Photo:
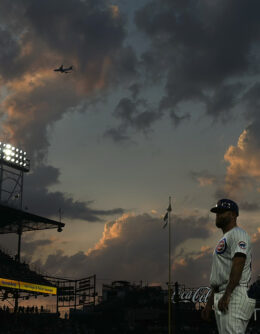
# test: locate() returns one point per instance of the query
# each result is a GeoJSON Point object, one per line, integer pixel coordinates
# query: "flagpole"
{"type": "Point", "coordinates": [170, 279]}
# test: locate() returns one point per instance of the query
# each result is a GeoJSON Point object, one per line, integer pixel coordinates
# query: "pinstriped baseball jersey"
{"type": "Point", "coordinates": [234, 241]}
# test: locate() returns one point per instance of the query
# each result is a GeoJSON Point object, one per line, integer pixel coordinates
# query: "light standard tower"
{"type": "Point", "coordinates": [13, 164]}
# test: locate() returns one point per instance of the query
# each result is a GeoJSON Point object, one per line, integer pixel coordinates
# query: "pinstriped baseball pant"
{"type": "Point", "coordinates": [240, 310]}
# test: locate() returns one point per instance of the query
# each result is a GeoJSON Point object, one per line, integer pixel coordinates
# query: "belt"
{"type": "Point", "coordinates": [219, 288]}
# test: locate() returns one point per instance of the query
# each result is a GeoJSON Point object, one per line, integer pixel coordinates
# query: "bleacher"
{"type": "Point", "coordinates": [28, 323]}
{"type": "Point", "coordinates": [14, 270]}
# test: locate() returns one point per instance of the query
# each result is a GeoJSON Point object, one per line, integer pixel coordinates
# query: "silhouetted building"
{"type": "Point", "coordinates": [133, 308]}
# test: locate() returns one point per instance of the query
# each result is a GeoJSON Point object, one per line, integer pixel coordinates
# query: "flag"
{"type": "Point", "coordinates": [165, 218]}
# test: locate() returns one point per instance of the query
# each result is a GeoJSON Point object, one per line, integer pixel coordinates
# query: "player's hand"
{"type": "Point", "coordinates": [224, 302]}
{"type": "Point", "coordinates": [206, 312]}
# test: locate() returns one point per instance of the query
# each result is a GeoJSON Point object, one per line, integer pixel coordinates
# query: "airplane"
{"type": "Point", "coordinates": [63, 70]}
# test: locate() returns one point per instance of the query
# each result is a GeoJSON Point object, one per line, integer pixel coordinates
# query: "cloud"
{"type": "Point", "coordinates": [190, 50]}
{"type": "Point", "coordinates": [198, 263]}
{"type": "Point", "coordinates": [224, 100]}
{"type": "Point", "coordinates": [9, 52]}
{"type": "Point", "coordinates": [132, 247]}
{"type": "Point", "coordinates": [251, 99]}
{"type": "Point", "coordinates": [117, 135]}
{"type": "Point", "coordinates": [38, 199]}
{"type": "Point", "coordinates": [249, 206]}
{"type": "Point", "coordinates": [29, 247]}
{"type": "Point", "coordinates": [135, 247]}
{"type": "Point", "coordinates": [87, 32]}
{"type": "Point", "coordinates": [35, 38]}
{"type": "Point", "coordinates": [243, 170]}
{"type": "Point", "coordinates": [135, 90]}
{"type": "Point", "coordinates": [204, 178]}
{"type": "Point", "coordinates": [256, 250]}
{"type": "Point", "coordinates": [32, 109]}
{"type": "Point", "coordinates": [135, 114]}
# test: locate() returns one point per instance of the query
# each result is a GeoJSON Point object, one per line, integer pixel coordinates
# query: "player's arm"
{"type": "Point", "coordinates": [208, 307]}
{"type": "Point", "coordinates": [238, 263]}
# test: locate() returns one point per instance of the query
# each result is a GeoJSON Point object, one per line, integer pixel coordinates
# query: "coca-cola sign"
{"type": "Point", "coordinates": [199, 295]}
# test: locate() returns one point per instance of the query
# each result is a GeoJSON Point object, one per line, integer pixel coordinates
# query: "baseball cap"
{"type": "Point", "coordinates": [225, 205]}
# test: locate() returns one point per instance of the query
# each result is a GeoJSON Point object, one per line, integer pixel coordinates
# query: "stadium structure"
{"type": "Point", "coordinates": [17, 280]}
{"type": "Point", "coordinates": [124, 308]}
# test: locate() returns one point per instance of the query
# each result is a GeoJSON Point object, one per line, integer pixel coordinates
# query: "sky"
{"type": "Point", "coordinates": [162, 101]}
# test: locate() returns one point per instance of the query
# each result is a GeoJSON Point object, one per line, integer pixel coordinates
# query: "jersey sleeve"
{"type": "Point", "coordinates": [240, 243]}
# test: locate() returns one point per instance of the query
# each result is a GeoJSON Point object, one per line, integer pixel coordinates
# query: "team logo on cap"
{"type": "Point", "coordinates": [242, 244]}
{"type": "Point", "coordinates": [221, 247]}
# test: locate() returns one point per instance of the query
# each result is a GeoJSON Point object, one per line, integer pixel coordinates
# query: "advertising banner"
{"type": "Point", "coordinates": [28, 286]}
{"type": "Point", "coordinates": [198, 295]}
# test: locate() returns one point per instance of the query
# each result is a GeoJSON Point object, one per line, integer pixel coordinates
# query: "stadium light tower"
{"type": "Point", "coordinates": [13, 164]}
{"type": "Point", "coordinates": [14, 157]}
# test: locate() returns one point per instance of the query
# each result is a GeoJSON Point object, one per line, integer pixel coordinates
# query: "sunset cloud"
{"type": "Point", "coordinates": [204, 178]}
{"type": "Point", "coordinates": [38, 199]}
{"type": "Point", "coordinates": [35, 98]}
{"type": "Point", "coordinates": [111, 231]}
{"type": "Point", "coordinates": [243, 170]}
{"type": "Point", "coordinates": [196, 265]}
{"type": "Point", "coordinates": [133, 247]}
{"type": "Point", "coordinates": [115, 11]}
{"type": "Point", "coordinates": [140, 69]}
{"type": "Point", "coordinates": [205, 248]}
{"type": "Point", "coordinates": [256, 250]}
{"type": "Point", "coordinates": [91, 39]}
{"type": "Point", "coordinates": [256, 236]}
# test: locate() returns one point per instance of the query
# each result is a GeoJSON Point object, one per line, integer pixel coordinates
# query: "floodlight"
{"type": "Point", "coordinates": [14, 157]}
{"type": "Point", "coordinates": [59, 229]}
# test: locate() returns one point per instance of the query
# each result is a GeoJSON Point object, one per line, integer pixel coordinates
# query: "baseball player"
{"type": "Point", "coordinates": [231, 273]}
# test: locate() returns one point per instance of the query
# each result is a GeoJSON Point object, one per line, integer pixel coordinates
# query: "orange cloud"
{"type": "Point", "coordinates": [40, 96]}
{"type": "Point", "coordinates": [115, 11]}
{"type": "Point", "coordinates": [243, 171]}
{"type": "Point", "coordinates": [34, 101]}
{"type": "Point", "coordinates": [205, 249]}
{"type": "Point", "coordinates": [182, 262]}
{"type": "Point", "coordinates": [205, 181]}
{"type": "Point", "coordinates": [256, 236]}
{"type": "Point", "coordinates": [179, 263]}
{"type": "Point", "coordinates": [30, 81]}
{"type": "Point", "coordinates": [26, 49]}
{"type": "Point", "coordinates": [111, 231]}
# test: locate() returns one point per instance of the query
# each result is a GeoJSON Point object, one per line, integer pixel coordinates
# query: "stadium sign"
{"type": "Point", "coordinates": [199, 295]}
{"type": "Point", "coordinates": [7, 283]}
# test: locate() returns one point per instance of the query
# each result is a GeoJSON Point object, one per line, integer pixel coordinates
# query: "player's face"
{"type": "Point", "coordinates": [223, 219]}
